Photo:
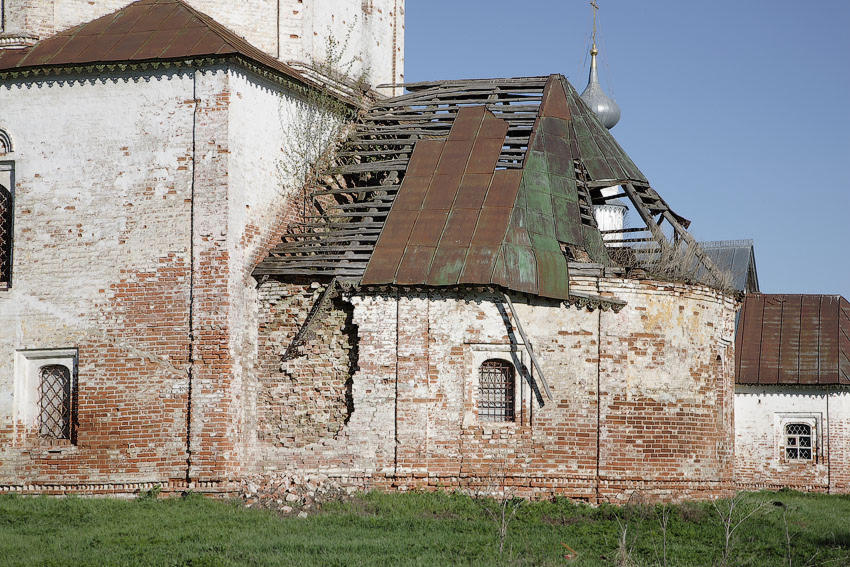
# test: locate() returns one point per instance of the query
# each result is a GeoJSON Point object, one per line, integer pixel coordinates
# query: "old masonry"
{"type": "Point", "coordinates": [197, 292]}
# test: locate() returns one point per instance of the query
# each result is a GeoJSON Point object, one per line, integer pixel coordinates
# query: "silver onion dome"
{"type": "Point", "coordinates": [600, 103]}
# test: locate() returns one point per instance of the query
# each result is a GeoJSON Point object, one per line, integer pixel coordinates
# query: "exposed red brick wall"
{"type": "Point", "coordinates": [307, 397]}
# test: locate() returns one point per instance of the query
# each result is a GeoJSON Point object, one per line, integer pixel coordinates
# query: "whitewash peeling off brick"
{"type": "Point", "coordinates": [664, 395]}
{"type": "Point", "coordinates": [371, 30]}
{"type": "Point", "coordinates": [261, 201]}
{"type": "Point", "coordinates": [761, 413]}
{"type": "Point", "coordinates": [139, 199]}
{"type": "Point", "coordinates": [101, 251]}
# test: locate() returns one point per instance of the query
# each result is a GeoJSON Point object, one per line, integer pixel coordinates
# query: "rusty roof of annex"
{"type": "Point", "coordinates": [144, 31]}
{"type": "Point", "coordinates": [793, 339]}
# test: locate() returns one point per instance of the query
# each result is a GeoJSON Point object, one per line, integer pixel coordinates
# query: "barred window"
{"type": "Point", "coordinates": [799, 444]}
{"type": "Point", "coordinates": [496, 390]}
{"type": "Point", "coordinates": [55, 402]}
{"type": "Point", "coordinates": [5, 234]}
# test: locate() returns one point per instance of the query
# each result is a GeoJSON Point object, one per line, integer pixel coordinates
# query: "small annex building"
{"type": "Point", "coordinates": [430, 304]}
{"type": "Point", "coordinates": [792, 401]}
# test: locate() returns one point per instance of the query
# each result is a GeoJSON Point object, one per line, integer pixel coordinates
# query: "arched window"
{"type": "Point", "coordinates": [54, 405]}
{"type": "Point", "coordinates": [799, 442]}
{"type": "Point", "coordinates": [5, 143]}
{"type": "Point", "coordinates": [6, 211]}
{"type": "Point", "coordinates": [496, 397]}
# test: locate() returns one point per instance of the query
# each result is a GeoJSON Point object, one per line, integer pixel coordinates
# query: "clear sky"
{"type": "Point", "coordinates": [738, 112]}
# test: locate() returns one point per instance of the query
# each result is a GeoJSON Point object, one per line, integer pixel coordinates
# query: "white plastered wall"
{"type": "Point", "coordinates": [372, 32]}
{"type": "Point", "coordinates": [761, 413]}
{"type": "Point", "coordinates": [101, 203]}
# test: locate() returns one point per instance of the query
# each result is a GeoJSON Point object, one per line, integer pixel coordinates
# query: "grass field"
{"type": "Point", "coordinates": [420, 529]}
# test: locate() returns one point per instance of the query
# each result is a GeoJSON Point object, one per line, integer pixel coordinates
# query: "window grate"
{"type": "Point", "coordinates": [798, 442]}
{"type": "Point", "coordinates": [496, 391]}
{"type": "Point", "coordinates": [5, 234]}
{"type": "Point", "coordinates": [55, 402]}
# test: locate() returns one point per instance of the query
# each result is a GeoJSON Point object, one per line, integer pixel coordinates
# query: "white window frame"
{"type": "Point", "coordinates": [28, 365]}
{"type": "Point", "coordinates": [813, 420]}
{"type": "Point", "coordinates": [797, 445]}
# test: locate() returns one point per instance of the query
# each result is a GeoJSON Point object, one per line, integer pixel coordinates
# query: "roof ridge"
{"type": "Point", "coordinates": [727, 243]}
{"type": "Point", "coordinates": [144, 31]}
{"type": "Point", "coordinates": [212, 24]}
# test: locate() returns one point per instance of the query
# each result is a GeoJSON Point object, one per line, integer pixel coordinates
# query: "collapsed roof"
{"type": "Point", "coordinates": [456, 182]}
{"type": "Point", "coordinates": [488, 181]}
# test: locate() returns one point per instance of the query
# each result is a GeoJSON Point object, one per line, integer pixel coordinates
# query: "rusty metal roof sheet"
{"type": "Point", "coordinates": [147, 30]}
{"type": "Point", "coordinates": [793, 339]}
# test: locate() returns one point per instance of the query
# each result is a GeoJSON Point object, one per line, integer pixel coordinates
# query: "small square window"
{"type": "Point", "coordinates": [799, 442]}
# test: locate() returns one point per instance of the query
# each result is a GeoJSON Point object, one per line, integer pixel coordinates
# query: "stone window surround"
{"type": "Point", "coordinates": [28, 364]}
{"type": "Point", "coordinates": [476, 354]}
{"type": "Point", "coordinates": [813, 420]}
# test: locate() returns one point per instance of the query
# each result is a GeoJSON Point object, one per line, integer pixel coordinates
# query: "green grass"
{"type": "Point", "coordinates": [410, 529]}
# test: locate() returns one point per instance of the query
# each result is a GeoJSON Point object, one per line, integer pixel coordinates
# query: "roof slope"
{"type": "Point", "coordinates": [458, 220]}
{"type": "Point", "coordinates": [419, 177]}
{"type": "Point", "coordinates": [737, 257]}
{"type": "Point", "coordinates": [793, 339]}
{"type": "Point", "coordinates": [147, 30]}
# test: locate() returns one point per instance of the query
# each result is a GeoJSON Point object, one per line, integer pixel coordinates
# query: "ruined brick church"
{"type": "Point", "coordinates": [431, 302]}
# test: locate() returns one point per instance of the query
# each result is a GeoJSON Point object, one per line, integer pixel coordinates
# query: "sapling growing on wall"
{"type": "Point", "coordinates": [315, 122]}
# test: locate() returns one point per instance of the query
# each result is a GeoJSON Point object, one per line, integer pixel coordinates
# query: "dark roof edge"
{"type": "Point", "coordinates": [579, 300]}
{"type": "Point", "coordinates": [295, 83]}
{"type": "Point", "coordinates": [727, 243]}
{"type": "Point", "coordinates": [780, 294]}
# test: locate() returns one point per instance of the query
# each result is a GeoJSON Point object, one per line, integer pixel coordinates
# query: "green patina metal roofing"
{"type": "Point", "coordinates": [594, 145]}
{"type": "Point", "coordinates": [459, 220]}
{"type": "Point", "coordinates": [470, 182]}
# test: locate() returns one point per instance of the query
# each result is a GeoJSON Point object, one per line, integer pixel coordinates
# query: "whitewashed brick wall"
{"type": "Point", "coordinates": [760, 415]}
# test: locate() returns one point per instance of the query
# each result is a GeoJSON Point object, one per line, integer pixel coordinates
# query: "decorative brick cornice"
{"type": "Point", "coordinates": [16, 40]}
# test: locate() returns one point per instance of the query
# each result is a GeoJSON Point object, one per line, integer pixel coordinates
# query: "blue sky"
{"type": "Point", "coordinates": [737, 112]}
